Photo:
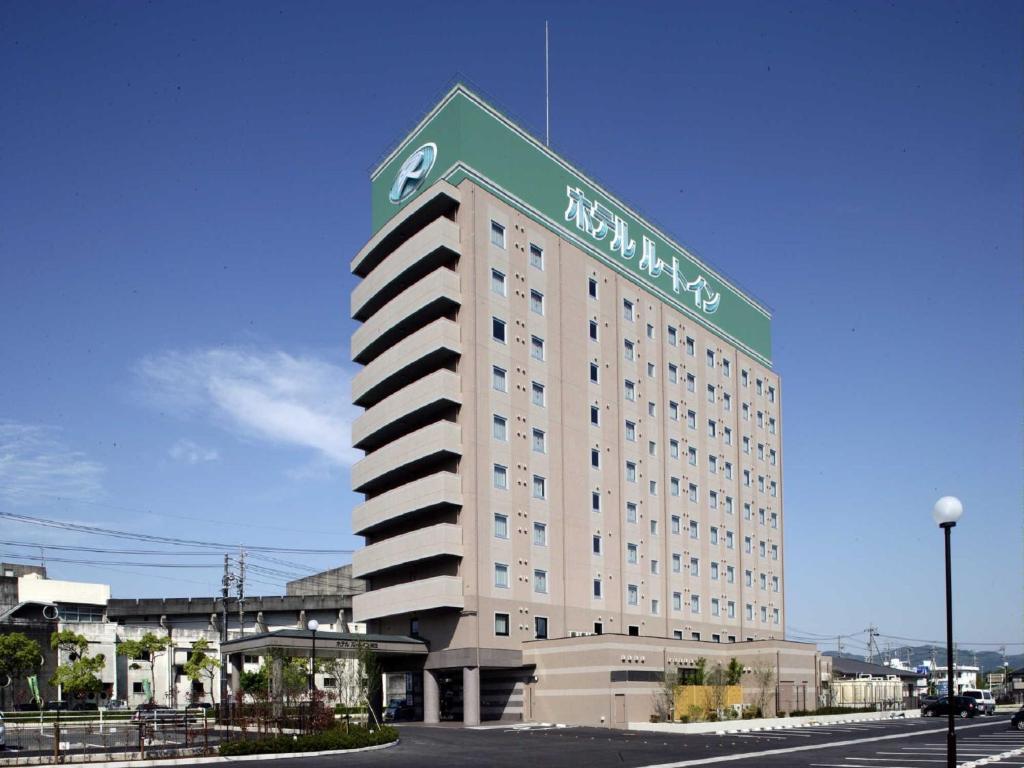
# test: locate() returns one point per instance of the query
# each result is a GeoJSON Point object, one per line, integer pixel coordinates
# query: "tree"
{"type": "Point", "coordinates": [716, 681]}
{"type": "Point", "coordinates": [665, 696]}
{"type": "Point", "coordinates": [146, 649]}
{"type": "Point", "coordinates": [734, 672]}
{"type": "Point", "coordinates": [368, 675]}
{"type": "Point", "coordinates": [79, 675]}
{"type": "Point", "coordinates": [764, 677]}
{"type": "Point", "coordinates": [201, 665]}
{"type": "Point", "coordinates": [20, 656]}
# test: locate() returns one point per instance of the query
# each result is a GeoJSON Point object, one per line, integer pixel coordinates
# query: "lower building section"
{"type": "Point", "coordinates": [603, 680]}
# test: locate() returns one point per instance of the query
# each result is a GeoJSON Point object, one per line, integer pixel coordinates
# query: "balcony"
{"type": "Point", "coordinates": [422, 447]}
{"type": "Point", "coordinates": [441, 540]}
{"type": "Point", "coordinates": [431, 492]}
{"type": "Point", "coordinates": [433, 297]}
{"type": "Point", "coordinates": [422, 351]}
{"type": "Point", "coordinates": [414, 596]}
{"type": "Point", "coordinates": [434, 246]}
{"type": "Point", "coordinates": [439, 200]}
{"type": "Point", "coordinates": [407, 409]}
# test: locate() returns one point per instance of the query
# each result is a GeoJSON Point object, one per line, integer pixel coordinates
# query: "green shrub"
{"type": "Point", "coordinates": [335, 738]}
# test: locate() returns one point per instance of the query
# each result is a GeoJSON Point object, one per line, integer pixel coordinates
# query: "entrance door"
{"type": "Point", "coordinates": [619, 716]}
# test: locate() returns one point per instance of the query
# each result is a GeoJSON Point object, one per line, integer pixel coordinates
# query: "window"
{"type": "Point", "coordinates": [691, 383]}
{"type": "Point", "coordinates": [540, 582]}
{"type": "Point", "coordinates": [747, 546]}
{"type": "Point", "coordinates": [500, 428]}
{"type": "Point", "coordinates": [632, 554]}
{"type": "Point", "coordinates": [760, 516]}
{"type": "Point", "coordinates": [771, 456]}
{"type": "Point", "coordinates": [731, 613]}
{"type": "Point", "coordinates": [673, 448]}
{"type": "Point", "coordinates": [726, 401]}
{"type": "Point", "coordinates": [595, 415]}
{"type": "Point", "coordinates": [771, 394]}
{"type": "Point", "coordinates": [501, 624]}
{"type": "Point", "coordinates": [595, 501]}
{"type": "Point", "coordinates": [594, 373]}
{"type": "Point", "coordinates": [728, 499]}
{"type": "Point", "coordinates": [500, 477]}
{"type": "Point", "coordinates": [677, 605]}
{"type": "Point", "coordinates": [730, 574]}
{"type": "Point", "coordinates": [713, 464]}
{"type": "Point", "coordinates": [593, 330]}
{"type": "Point", "coordinates": [694, 529]}
{"type": "Point", "coordinates": [746, 511]}
{"type": "Point", "coordinates": [539, 441]}
{"type": "Point", "coordinates": [711, 358]}
{"type": "Point", "coordinates": [715, 609]}
{"type": "Point", "coordinates": [537, 302]}
{"type": "Point", "coordinates": [672, 337]}
{"type": "Point", "coordinates": [498, 329]}
{"type": "Point", "coordinates": [728, 471]}
{"type": "Point", "coordinates": [650, 331]}
{"type": "Point", "coordinates": [771, 425]}
{"type": "Point", "coordinates": [673, 410]}
{"type": "Point", "coordinates": [539, 487]}
{"type": "Point", "coordinates": [775, 519]}
{"type": "Point", "coordinates": [536, 347]}
{"type": "Point", "coordinates": [675, 523]}
{"type": "Point", "coordinates": [597, 588]}
{"type": "Point", "coordinates": [714, 534]}
{"type": "Point", "coordinates": [596, 544]}
{"type": "Point", "coordinates": [627, 310]}
{"type": "Point", "coordinates": [714, 571]}
{"type": "Point", "coordinates": [691, 419]}
{"type": "Point", "coordinates": [677, 563]}
{"type": "Point", "coordinates": [651, 371]}
{"type": "Point", "coordinates": [744, 377]}
{"type": "Point", "coordinates": [673, 373]}
{"type": "Point", "coordinates": [656, 607]}
{"type": "Point", "coordinates": [775, 615]}
{"type": "Point", "coordinates": [651, 409]}
{"type": "Point", "coordinates": [713, 500]}
{"type": "Point", "coordinates": [500, 526]}
{"type": "Point", "coordinates": [673, 486]}
{"type": "Point", "coordinates": [690, 347]}
{"type": "Point", "coordinates": [760, 389]}
{"type": "Point", "coordinates": [746, 477]}
{"type": "Point", "coordinates": [760, 548]}
{"type": "Point", "coordinates": [726, 367]}
{"type": "Point", "coordinates": [630, 390]}
{"type": "Point", "coordinates": [498, 282]}
{"type": "Point", "coordinates": [631, 431]}
{"type": "Point", "coordinates": [654, 527]}
{"type": "Point", "coordinates": [773, 488]}
{"type": "Point", "coordinates": [536, 257]}
{"type": "Point", "coordinates": [760, 483]}
{"type": "Point", "coordinates": [630, 511]}
{"type": "Point", "coordinates": [630, 472]}
{"type": "Point", "coordinates": [750, 612]}
{"type": "Point", "coordinates": [727, 435]}
{"type": "Point", "coordinates": [775, 551]}
{"type": "Point", "coordinates": [764, 614]}
{"type": "Point", "coordinates": [760, 418]}
{"type": "Point", "coordinates": [592, 288]}
{"type": "Point", "coordinates": [540, 534]}
{"type": "Point", "coordinates": [694, 603]}
{"type": "Point", "coordinates": [729, 540]}
{"type": "Point", "coordinates": [654, 567]}
{"type": "Point", "coordinates": [746, 444]}
{"type": "Point", "coordinates": [711, 393]}
{"type": "Point", "coordinates": [501, 575]}
{"type": "Point", "coordinates": [537, 393]}
{"type": "Point", "coordinates": [693, 492]}
{"type": "Point", "coordinates": [775, 583]}
{"type": "Point", "coordinates": [691, 456]}
{"type": "Point", "coordinates": [712, 428]}
{"type": "Point", "coordinates": [632, 594]}
{"type": "Point", "coordinates": [595, 458]}
{"type": "Point", "coordinates": [652, 487]}
{"type": "Point", "coordinates": [540, 627]}
{"type": "Point", "coordinates": [497, 234]}
{"type": "Point", "coordinates": [748, 578]}
{"type": "Point", "coordinates": [498, 379]}
{"type": "Point", "coordinates": [746, 411]}
{"type": "Point", "coordinates": [628, 349]}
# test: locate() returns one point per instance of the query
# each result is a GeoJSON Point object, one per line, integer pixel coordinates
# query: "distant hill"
{"type": "Point", "coordinates": [989, 661]}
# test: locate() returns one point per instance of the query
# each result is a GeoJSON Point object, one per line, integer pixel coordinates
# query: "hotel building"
{"type": "Point", "coordinates": [572, 435]}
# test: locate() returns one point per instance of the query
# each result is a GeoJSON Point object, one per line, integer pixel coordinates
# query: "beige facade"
{"type": "Point", "coordinates": [552, 452]}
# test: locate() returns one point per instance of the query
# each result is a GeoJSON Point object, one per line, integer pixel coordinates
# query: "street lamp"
{"type": "Point", "coordinates": [313, 625]}
{"type": "Point", "coordinates": [946, 512]}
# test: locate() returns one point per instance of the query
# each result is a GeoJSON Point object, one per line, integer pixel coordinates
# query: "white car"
{"type": "Point", "coordinates": [986, 702]}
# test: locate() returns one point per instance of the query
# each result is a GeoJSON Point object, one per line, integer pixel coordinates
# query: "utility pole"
{"type": "Point", "coordinates": [241, 591]}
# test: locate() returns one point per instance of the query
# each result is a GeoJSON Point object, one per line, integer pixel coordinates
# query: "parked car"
{"type": "Point", "coordinates": [986, 702]}
{"type": "Point", "coordinates": [1017, 721]}
{"type": "Point", "coordinates": [118, 705]}
{"type": "Point", "coordinates": [397, 711]}
{"type": "Point", "coordinates": [27, 706]}
{"type": "Point", "coordinates": [156, 715]}
{"type": "Point", "coordinates": [57, 706]}
{"type": "Point", "coordinates": [84, 706]}
{"type": "Point", "coordinates": [962, 706]}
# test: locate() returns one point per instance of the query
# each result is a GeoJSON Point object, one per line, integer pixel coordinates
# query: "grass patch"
{"type": "Point", "coordinates": [333, 738]}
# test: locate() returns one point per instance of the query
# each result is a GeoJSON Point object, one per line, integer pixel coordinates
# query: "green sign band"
{"type": "Point", "coordinates": [465, 138]}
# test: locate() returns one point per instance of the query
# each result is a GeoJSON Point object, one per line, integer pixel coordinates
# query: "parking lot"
{"type": "Point", "coordinates": [911, 743]}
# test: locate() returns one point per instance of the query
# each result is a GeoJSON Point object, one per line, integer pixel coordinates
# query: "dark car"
{"type": "Point", "coordinates": [1017, 721]}
{"type": "Point", "coordinates": [28, 706]}
{"type": "Point", "coordinates": [57, 706]}
{"type": "Point", "coordinates": [962, 706]}
{"type": "Point", "coordinates": [84, 706]}
{"type": "Point", "coordinates": [397, 711]}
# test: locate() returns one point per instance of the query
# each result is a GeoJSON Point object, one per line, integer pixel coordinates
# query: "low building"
{"type": "Point", "coordinates": [857, 684]}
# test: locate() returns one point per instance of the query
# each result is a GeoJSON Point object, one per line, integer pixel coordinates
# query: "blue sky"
{"type": "Point", "coordinates": [184, 184]}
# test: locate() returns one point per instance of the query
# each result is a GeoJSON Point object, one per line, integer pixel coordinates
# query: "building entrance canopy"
{"type": "Point", "coordinates": [330, 645]}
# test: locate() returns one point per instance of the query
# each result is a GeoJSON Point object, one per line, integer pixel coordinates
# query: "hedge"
{"type": "Point", "coordinates": [335, 738]}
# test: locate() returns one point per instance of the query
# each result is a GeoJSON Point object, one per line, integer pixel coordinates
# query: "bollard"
{"type": "Point", "coordinates": [206, 735]}
{"type": "Point", "coordinates": [142, 739]}
{"type": "Point", "coordinates": [56, 742]}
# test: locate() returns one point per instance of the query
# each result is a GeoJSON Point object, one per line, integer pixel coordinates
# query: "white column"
{"type": "Point", "coordinates": [431, 698]}
{"type": "Point", "coordinates": [471, 695]}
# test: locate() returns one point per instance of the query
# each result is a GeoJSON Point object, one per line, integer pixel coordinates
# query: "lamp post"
{"type": "Point", "coordinates": [313, 625]}
{"type": "Point", "coordinates": [946, 512]}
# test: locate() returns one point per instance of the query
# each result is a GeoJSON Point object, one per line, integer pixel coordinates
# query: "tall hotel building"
{"type": "Point", "coordinates": [573, 439]}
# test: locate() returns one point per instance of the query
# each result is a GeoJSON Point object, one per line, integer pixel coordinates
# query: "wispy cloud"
{"type": "Point", "coordinates": [189, 452]}
{"type": "Point", "coordinates": [35, 462]}
{"type": "Point", "coordinates": [270, 395]}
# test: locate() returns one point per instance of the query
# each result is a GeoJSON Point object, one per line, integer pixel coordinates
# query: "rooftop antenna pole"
{"type": "Point", "coordinates": [547, 99]}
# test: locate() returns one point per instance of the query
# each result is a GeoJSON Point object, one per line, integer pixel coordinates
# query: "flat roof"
{"type": "Point", "coordinates": [328, 644]}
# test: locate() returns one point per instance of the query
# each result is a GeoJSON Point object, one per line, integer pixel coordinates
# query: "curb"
{"type": "Point", "coordinates": [212, 759]}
